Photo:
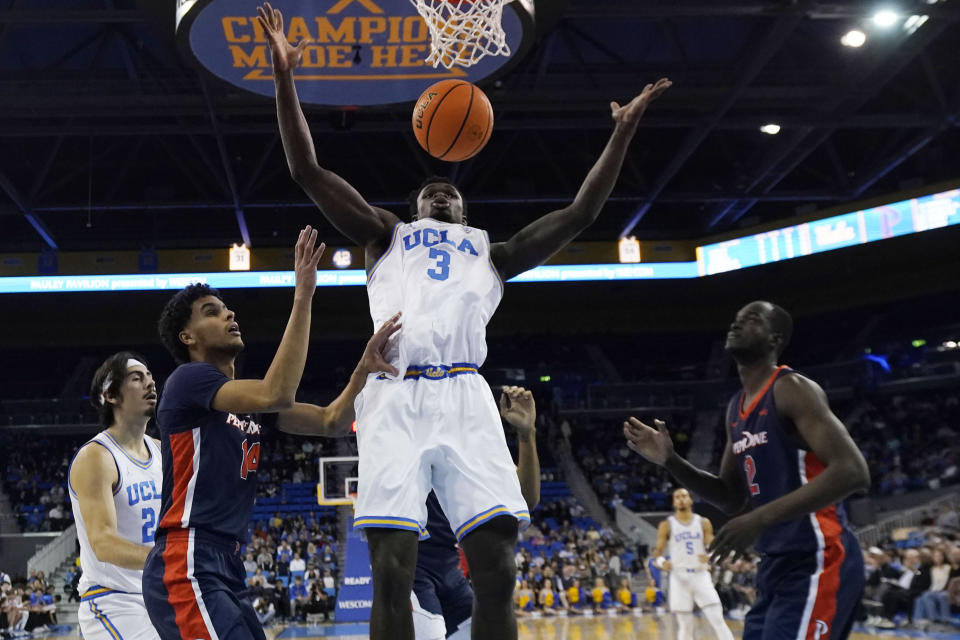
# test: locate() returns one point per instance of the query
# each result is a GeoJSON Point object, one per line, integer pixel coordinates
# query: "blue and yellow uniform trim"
{"type": "Point", "coordinates": [390, 522]}
{"type": "Point", "coordinates": [95, 591]}
{"type": "Point", "coordinates": [437, 371]}
{"type": "Point", "coordinates": [89, 596]}
{"type": "Point", "coordinates": [489, 514]}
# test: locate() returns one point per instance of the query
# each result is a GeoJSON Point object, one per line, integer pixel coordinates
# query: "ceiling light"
{"type": "Point", "coordinates": [885, 18]}
{"type": "Point", "coordinates": [854, 38]}
{"type": "Point", "coordinates": [770, 129]}
{"type": "Point", "coordinates": [913, 23]}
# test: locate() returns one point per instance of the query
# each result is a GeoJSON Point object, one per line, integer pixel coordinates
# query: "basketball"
{"type": "Point", "coordinates": [452, 120]}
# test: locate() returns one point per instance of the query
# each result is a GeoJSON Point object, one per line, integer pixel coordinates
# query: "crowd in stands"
{"type": "Point", "coordinates": [27, 607]}
{"type": "Point", "coordinates": [914, 579]}
{"type": "Point", "coordinates": [35, 478]}
{"type": "Point", "coordinates": [567, 562]}
{"type": "Point", "coordinates": [910, 441]}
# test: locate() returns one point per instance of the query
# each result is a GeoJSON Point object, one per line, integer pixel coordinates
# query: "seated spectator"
{"type": "Point", "coordinates": [264, 609]}
{"type": "Point", "coordinates": [601, 596]}
{"type": "Point", "coordinates": [329, 584]}
{"type": "Point", "coordinates": [297, 564]}
{"type": "Point", "coordinates": [249, 564]}
{"type": "Point", "coordinates": [523, 599]}
{"type": "Point", "coordinates": [914, 580]}
{"type": "Point", "coordinates": [626, 599]}
{"type": "Point", "coordinates": [318, 602]}
{"type": "Point", "coordinates": [548, 602]}
{"type": "Point", "coordinates": [298, 597]}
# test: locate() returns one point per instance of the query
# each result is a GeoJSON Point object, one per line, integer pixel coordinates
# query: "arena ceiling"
{"type": "Point", "coordinates": [108, 139]}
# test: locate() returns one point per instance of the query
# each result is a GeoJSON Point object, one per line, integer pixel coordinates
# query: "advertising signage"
{"type": "Point", "coordinates": [363, 52]}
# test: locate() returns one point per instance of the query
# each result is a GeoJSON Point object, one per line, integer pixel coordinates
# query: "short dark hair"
{"type": "Point", "coordinates": [114, 370]}
{"type": "Point", "coordinates": [176, 315]}
{"type": "Point", "coordinates": [781, 322]}
{"type": "Point", "coordinates": [412, 198]}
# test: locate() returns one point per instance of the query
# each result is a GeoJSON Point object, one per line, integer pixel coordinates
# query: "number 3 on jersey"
{"type": "Point", "coordinates": [751, 468]}
{"type": "Point", "coordinates": [442, 269]}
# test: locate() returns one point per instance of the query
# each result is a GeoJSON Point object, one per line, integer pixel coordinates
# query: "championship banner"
{"type": "Point", "coordinates": [363, 52]}
{"type": "Point", "coordinates": [356, 593]}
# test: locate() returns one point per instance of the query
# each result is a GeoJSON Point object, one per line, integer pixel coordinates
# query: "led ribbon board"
{"type": "Point", "coordinates": [846, 230]}
{"type": "Point", "coordinates": [345, 278]}
{"type": "Point", "coordinates": [364, 52]}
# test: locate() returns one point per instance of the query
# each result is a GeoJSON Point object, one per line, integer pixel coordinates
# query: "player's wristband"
{"type": "Point", "coordinates": [658, 563]}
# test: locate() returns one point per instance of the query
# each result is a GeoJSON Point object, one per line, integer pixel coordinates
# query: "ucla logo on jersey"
{"type": "Point", "coordinates": [687, 535]}
{"type": "Point", "coordinates": [142, 491]}
{"type": "Point", "coordinates": [434, 373]}
{"type": "Point", "coordinates": [749, 441]}
{"type": "Point", "coordinates": [429, 237]}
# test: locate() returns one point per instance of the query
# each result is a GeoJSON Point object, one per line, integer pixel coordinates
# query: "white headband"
{"type": "Point", "coordinates": [131, 362]}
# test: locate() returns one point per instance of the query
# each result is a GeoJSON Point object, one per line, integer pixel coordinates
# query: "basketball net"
{"type": "Point", "coordinates": [462, 32]}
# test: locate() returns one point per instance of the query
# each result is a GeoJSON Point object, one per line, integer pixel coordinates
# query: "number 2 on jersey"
{"type": "Point", "coordinates": [442, 269]}
{"type": "Point", "coordinates": [751, 468]}
{"type": "Point", "coordinates": [150, 520]}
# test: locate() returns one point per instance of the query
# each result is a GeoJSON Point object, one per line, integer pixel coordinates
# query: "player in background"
{"type": "Point", "coordinates": [447, 278]}
{"type": "Point", "coordinates": [790, 461]}
{"type": "Point", "coordinates": [685, 536]}
{"type": "Point", "coordinates": [115, 481]}
{"type": "Point", "coordinates": [194, 579]}
{"type": "Point", "coordinates": [442, 598]}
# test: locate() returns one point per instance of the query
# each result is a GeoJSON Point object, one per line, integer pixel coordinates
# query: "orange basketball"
{"type": "Point", "coordinates": [452, 120]}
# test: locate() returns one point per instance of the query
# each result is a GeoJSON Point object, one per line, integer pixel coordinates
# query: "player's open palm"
{"type": "Point", "coordinates": [518, 408]}
{"type": "Point", "coordinates": [631, 112]}
{"type": "Point", "coordinates": [285, 55]}
{"type": "Point", "coordinates": [653, 444]}
{"type": "Point", "coordinates": [306, 257]}
{"type": "Point", "coordinates": [374, 356]}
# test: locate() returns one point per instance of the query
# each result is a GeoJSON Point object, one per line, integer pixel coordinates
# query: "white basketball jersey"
{"type": "Point", "coordinates": [686, 543]}
{"type": "Point", "coordinates": [440, 276]}
{"type": "Point", "coordinates": [137, 501]}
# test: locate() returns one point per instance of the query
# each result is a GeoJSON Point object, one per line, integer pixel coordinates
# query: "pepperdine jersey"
{"type": "Point", "coordinates": [136, 499]}
{"type": "Point", "coordinates": [774, 464]}
{"type": "Point", "coordinates": [686, 543]}
{"type": "Point", "coordinates": [210, 457]}
{"type": "Point", "coordinates": [440, 276]}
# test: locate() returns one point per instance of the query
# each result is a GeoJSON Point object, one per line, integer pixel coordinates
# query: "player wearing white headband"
{"type": "Point", "coordinates": [115, 481]}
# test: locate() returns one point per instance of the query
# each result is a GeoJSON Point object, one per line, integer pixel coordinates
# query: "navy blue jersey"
{"type": "Point", "coordinates": [439, 552]}
{"type": "Point", "coordinates": [210, 457]}
{"type": "Point", "coordinates": [775, 463]}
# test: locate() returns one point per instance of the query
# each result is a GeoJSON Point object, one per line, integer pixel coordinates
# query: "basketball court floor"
{"type": "Point", "coordinates": [647, 627]}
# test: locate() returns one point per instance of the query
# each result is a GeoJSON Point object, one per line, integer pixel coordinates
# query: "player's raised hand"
{"type": "Point", "coordinates": [653, 444]}
{"type": "Point", "coordinates": [374, 360]}
{"type": "Point", "coordinates": [631, 112]}
{"type": "Point", "coordinates": [306, 257]}
{"type": "Point", "coordinates": [518, 408]}
{"type": "Point", "coordinates": [285, 55]}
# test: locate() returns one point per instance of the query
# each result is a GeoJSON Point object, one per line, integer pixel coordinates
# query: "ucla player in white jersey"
{"type": "Point", "coordinates": [115, 481]}
{"type": "Point", "coordinates": [686, 536]}
{"type": "Point", "coordinates": [436, 425]}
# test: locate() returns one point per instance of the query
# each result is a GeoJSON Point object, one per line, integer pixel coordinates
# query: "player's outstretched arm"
{"type": "Point", "coordinates": [538, 241]}
{"type": "Point", "coordinates": [278, 387]}
{"type": "Point", "coordinates": [339, 202]}
{"type": "Point", "coordinates": [519, 409]}
{"type": "Point", "coordinates": [92, 477]}
{"type": "Point", "coordinates": [804, 403]}
{"type": "Point", "coordinates": [725, 491]}
{"type": "Point", "coordinates": [336, 419]}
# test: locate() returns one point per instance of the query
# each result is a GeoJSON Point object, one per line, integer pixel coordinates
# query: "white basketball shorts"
{"type": "Point", "coordinates": [438, 428]}
{"type": "Point", "coordinates": [114, 615]}
{"type": "Point", "coordinates": [689, 587]}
